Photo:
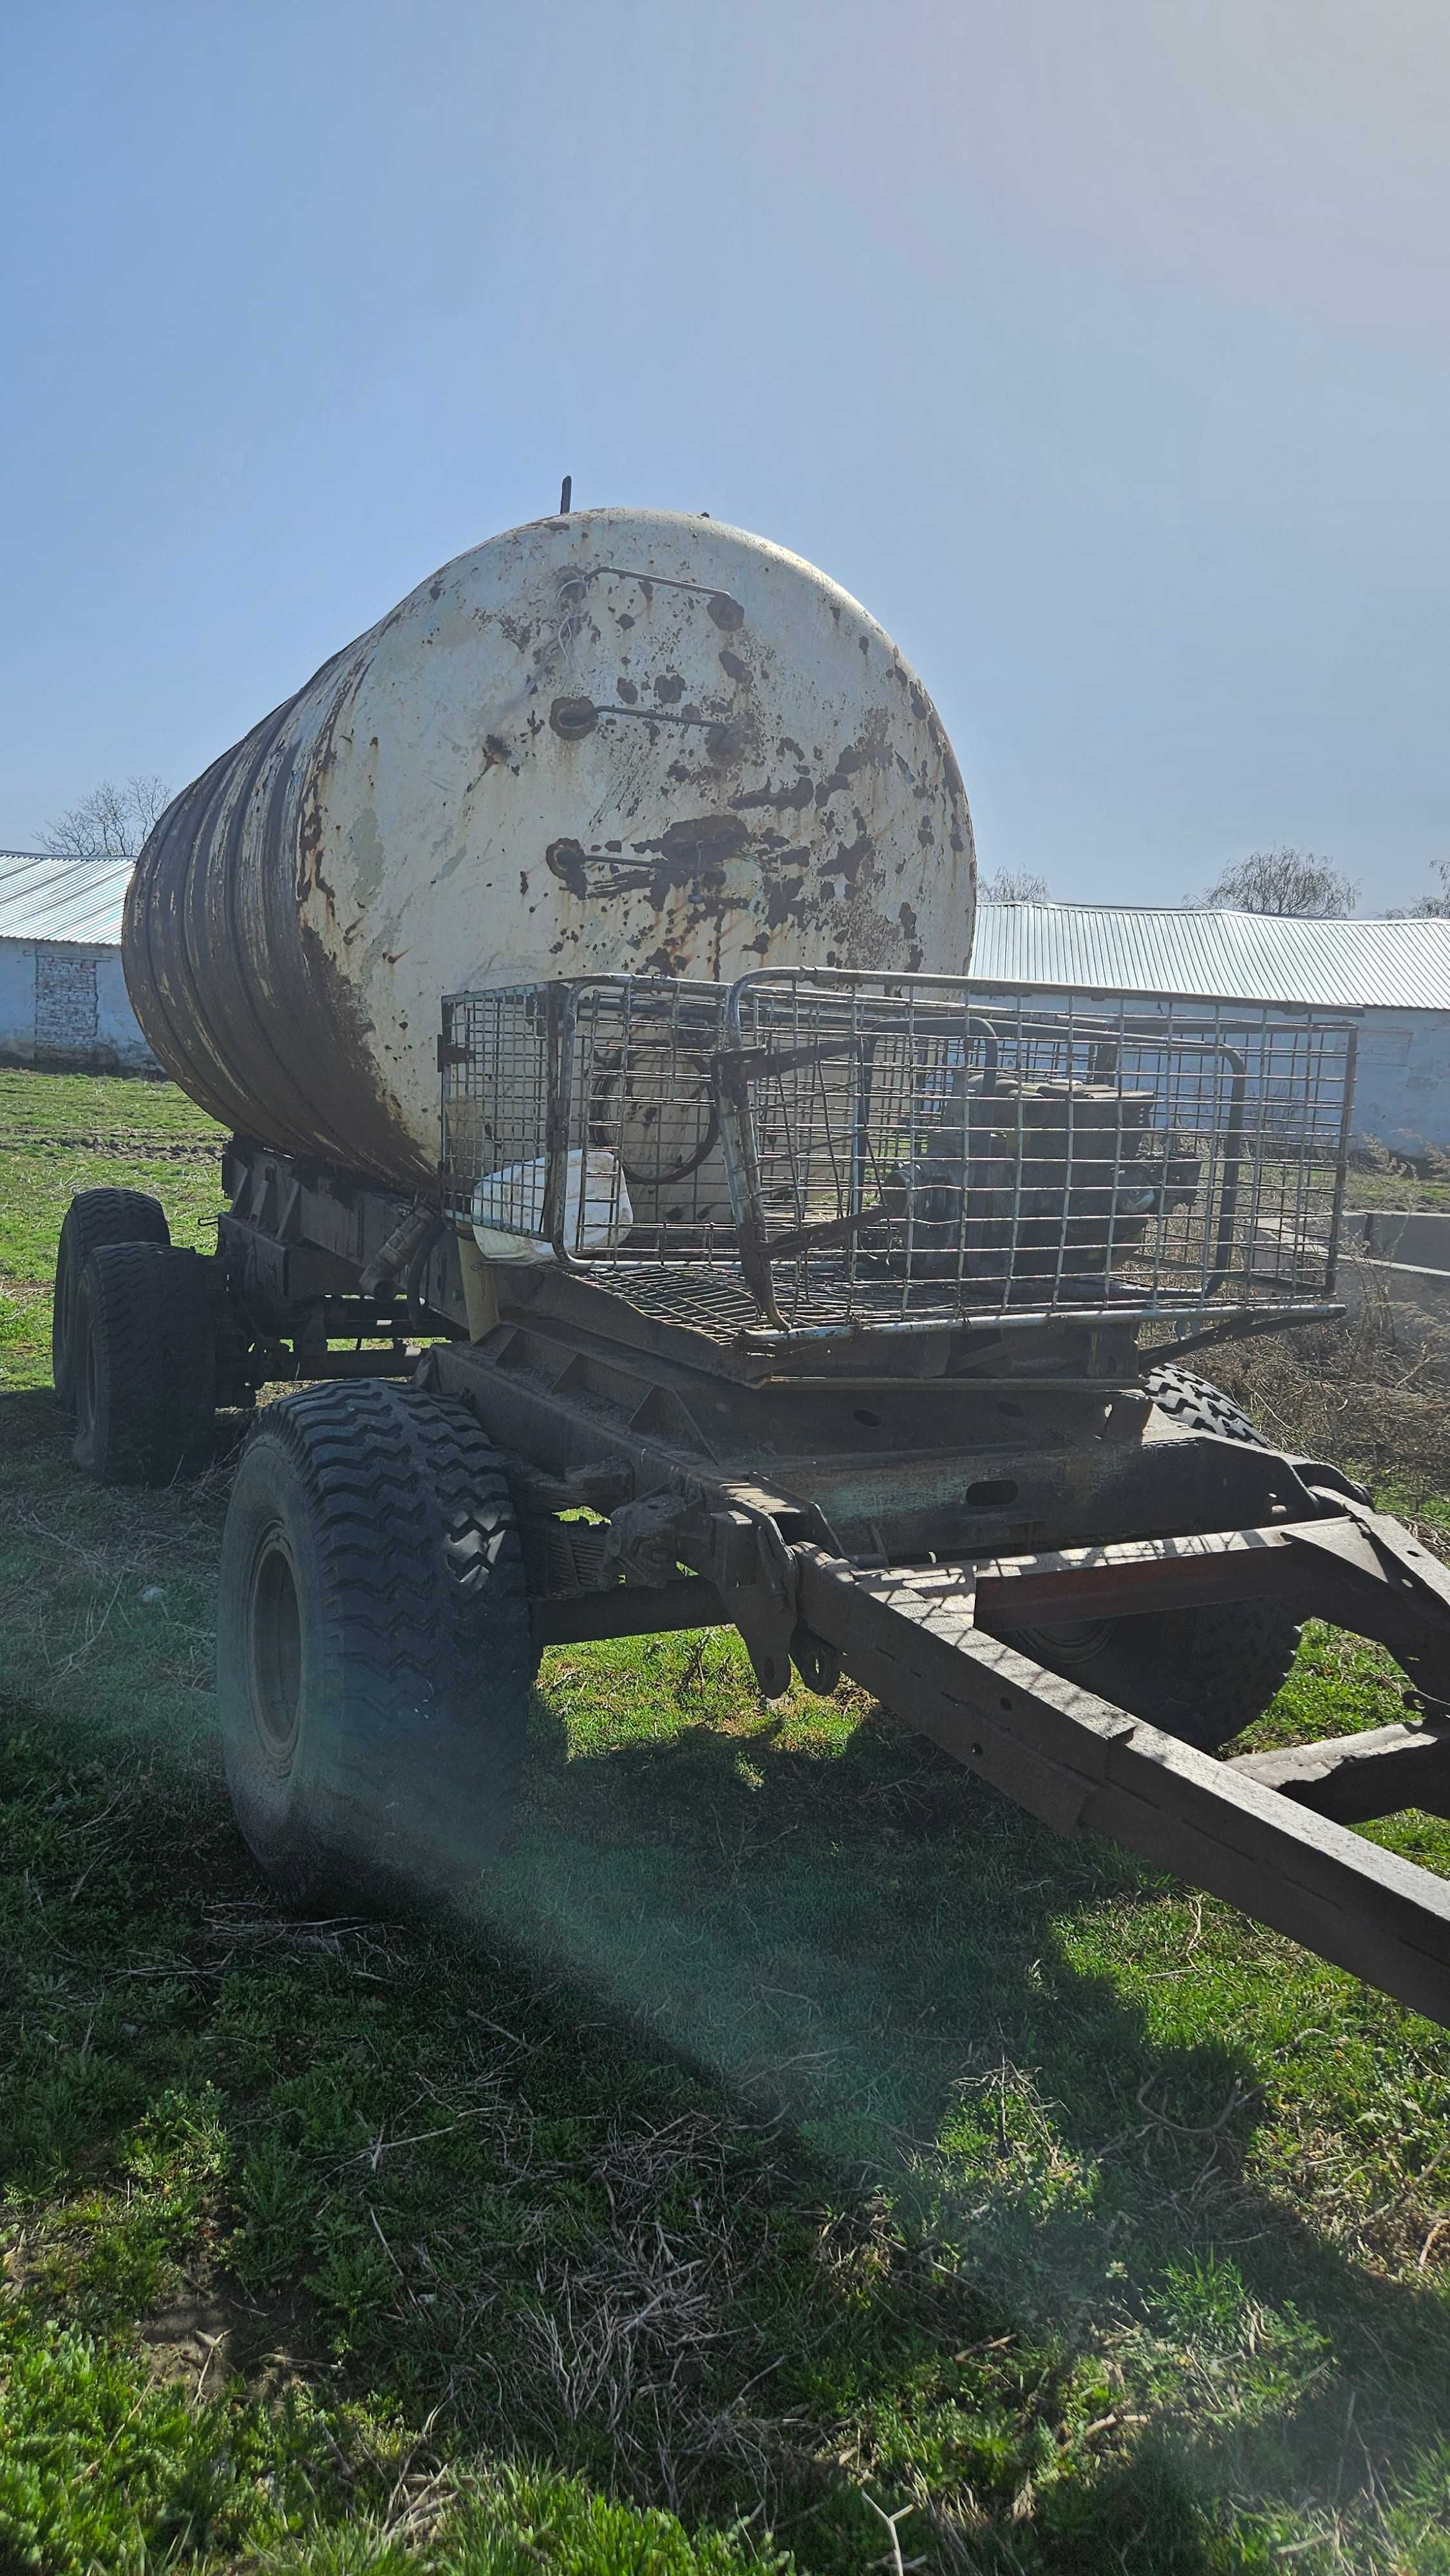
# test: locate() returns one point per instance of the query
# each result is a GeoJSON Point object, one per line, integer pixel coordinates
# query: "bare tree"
{"type": "Point", "coordinates": [1014, 885]}
{"type": "Point", "coordinates": [110, 823]}
{"type": "Point", "coordinates": [1284, 881]}
{"type": "Point", "coordinates": [1434, 907]}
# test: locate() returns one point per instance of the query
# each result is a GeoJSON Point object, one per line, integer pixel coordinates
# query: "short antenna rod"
{"type": "Point", "coordinates": [566, 494]}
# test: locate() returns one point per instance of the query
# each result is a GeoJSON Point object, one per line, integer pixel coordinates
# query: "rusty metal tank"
{"type": "Point", "coordinates": [613, 740]}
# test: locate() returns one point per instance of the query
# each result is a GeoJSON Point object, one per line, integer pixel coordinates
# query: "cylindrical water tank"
{"type": "Point", "coordinates": [622, 740]}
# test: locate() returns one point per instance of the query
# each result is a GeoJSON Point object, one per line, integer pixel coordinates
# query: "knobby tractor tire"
{"type": "Point", "coordinates": [145, 1365]}
{"type": "Point", "coordinates": [1202, 1675]}
{"type": "Point", "coordinates": [374, 1658]}
{"type": "Point", "coordinates": [93, 1219]}
{"type": "Point", "coordinates": [1199, 1405]}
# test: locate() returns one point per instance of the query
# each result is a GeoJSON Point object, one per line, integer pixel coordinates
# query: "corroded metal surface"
{"type": "Point", "coordinates": [617, 740]}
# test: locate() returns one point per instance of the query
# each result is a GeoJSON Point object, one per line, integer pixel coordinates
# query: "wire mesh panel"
{"type": "Point", "coordinates": [818, 1150]}
{"type": "Point", "coordinates": [583, 1115]}
{"type": "Point", "coordinates": [497, 1062]}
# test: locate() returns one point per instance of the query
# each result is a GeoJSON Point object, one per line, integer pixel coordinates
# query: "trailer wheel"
{"type": "Point", "coordinates": [94, 1218]}
{"type": "Point", "coordinates": [1202, 1675]}
{"type": "Point", "coordinates": [374, 1657]}
{"type": "Point", "coordinates": [145, 1365]}
{"type": "Point", "coordinates": [1200, 1405]}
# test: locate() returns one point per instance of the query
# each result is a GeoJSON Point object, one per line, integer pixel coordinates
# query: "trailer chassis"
{"type": "Point", "coordinates": [880, 1567]}
{"type": "Point", "coordinates": [902, 1509]}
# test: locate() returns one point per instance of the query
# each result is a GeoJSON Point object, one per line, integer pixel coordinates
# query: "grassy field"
{"type": "Point", "coordinates": [1373, 1184]}
{"type": "Point", "coordinates": [800, 2138]}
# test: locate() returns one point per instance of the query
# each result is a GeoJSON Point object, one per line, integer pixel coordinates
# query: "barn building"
{"type": "Point", "coordinates": [1394, 975]}
{"type": "Point", "coordinates": [64, 1007]}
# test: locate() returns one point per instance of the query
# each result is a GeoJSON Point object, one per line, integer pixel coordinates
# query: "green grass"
{"type": "Point", "coordinates": [798, 2134]}
{"type": "Point", "coordinates": [60, 1133]}
{"type": "Point", "coordinates": [1395, 1189]}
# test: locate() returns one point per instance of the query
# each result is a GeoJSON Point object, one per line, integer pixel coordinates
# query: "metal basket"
{"type": "Point", "coordinates": [822, 1151]}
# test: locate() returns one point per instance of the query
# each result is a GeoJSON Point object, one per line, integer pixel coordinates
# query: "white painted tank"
{"type": "Point", "coordinates": [622, 739]}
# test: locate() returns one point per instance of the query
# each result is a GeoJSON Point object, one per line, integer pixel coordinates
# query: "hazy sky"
{"type": "Point", "coordinates": [1099, 346]}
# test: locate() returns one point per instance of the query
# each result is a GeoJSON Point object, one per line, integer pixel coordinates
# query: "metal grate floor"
{"type": "Point", "coordinates": [703, 1300]}
{"type": "Point", "coordinates": [722, 1309]}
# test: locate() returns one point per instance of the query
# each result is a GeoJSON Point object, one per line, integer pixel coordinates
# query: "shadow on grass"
{"type": "Point", "coordinates": [33, 1426]}
{"type": "Point", "coordinates": [929, 1983]}
{"type": "Point", "coordinates": [36, 1432]}
{"type": "Point", "coordinates": [1026, 2088]}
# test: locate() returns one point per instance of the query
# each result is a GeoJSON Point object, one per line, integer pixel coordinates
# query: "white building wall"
{"type": "Point", "coordinates": [66, 1003]}
{"type": "Point", "coordinates": [1402, 1076]}
{"type": "Point", "coordinates": [17, 1001]}
{"type": "Point", "coordinates": [1402, 1081]}
{"type": "Point", "coordinates": [64, 1008]}
{"type": "Point", "coordinates": [118, 1031]}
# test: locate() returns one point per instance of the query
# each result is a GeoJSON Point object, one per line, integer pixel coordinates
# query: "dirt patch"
{"type": "Point", "coordinates": [207, 2332]}
{"type": "Point", "coordinates": [126, 1145]}
{"type": "Point", "coordinates": [192, 2338]}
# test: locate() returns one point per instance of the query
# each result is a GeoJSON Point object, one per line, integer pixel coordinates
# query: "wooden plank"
{"type": "Point", "coordinates": [1083, 1765]}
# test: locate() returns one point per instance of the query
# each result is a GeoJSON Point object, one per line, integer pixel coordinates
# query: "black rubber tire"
{"type": "Point", "coordinates": [374, 1657]}
{"type": "Point", "coordinates": [1202, 1675]}
{"type": "Point", "coordinates": [145, 1365]}
{"type": "Point", "coordinates": [1200, 1405]}
{"type": "Point", "coordinates": [93, 1219]}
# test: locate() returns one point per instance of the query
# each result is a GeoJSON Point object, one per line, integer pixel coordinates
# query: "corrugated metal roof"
{"type": "Point", "coordinates": [62, 899]}
{"type": "Point", "coordinates": [1118, 948]}
{"type": "Point", "coordinates": [1232, 956]}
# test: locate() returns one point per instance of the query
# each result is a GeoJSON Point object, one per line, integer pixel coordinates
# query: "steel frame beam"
{"type": "Point", "coordinates": [1268, 1832]}
{"type": "Point", "coordinates": [625, 1610]}
{"type": "Point", "coordinates": [1355, 1778]}
{"type": "Point", "coordinates": [1271, 1836]}
{"type": "Point", "coordinates": [1081, 1765]}
{"type": "Point", "coordinates": [1355, 1567]}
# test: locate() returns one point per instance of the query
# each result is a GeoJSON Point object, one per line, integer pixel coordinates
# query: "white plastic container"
{"type": "Point", "coordinates": [508, 1207]}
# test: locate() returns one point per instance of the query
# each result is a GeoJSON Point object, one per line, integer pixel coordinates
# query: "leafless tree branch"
{"type": "Point", "coordinates": [1284, 881]}
{"type": "Point", "coordinates": [110, 823]}
{"type": "Point", "coordinates": [1015, 885]}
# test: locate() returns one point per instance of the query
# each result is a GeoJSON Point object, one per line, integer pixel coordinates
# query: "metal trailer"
{"type": "Point", "coordinates": [847, 1309]}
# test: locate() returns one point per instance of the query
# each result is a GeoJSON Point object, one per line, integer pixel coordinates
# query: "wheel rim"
{"type": "Point", "coordinates": [274, 1652]}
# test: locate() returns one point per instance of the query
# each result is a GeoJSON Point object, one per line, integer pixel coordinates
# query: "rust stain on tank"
{"type": "Point", "coordinates": [792, 799]}
{"type": "Point", "coordinates": [298, 1004]}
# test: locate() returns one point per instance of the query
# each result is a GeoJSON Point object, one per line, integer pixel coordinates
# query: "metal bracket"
{"type": "Point", "coordinates": [818, 1664]}
{"type": "Point", "coordinates": [754, 1572]}
{"type": "Point", "coordinates": [419, 1226]}
{"type": "Point", "coordinates": [740, 1552]}
{"type": "Point", "coordinates": [647, 1539]}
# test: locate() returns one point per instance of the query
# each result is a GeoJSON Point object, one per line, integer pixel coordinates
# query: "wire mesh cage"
{"type": "Point", "coordinates": [821, 1150]}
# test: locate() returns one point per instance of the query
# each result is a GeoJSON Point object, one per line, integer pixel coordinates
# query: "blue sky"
{"type": "Point", "coordinates": [1101, 350]}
